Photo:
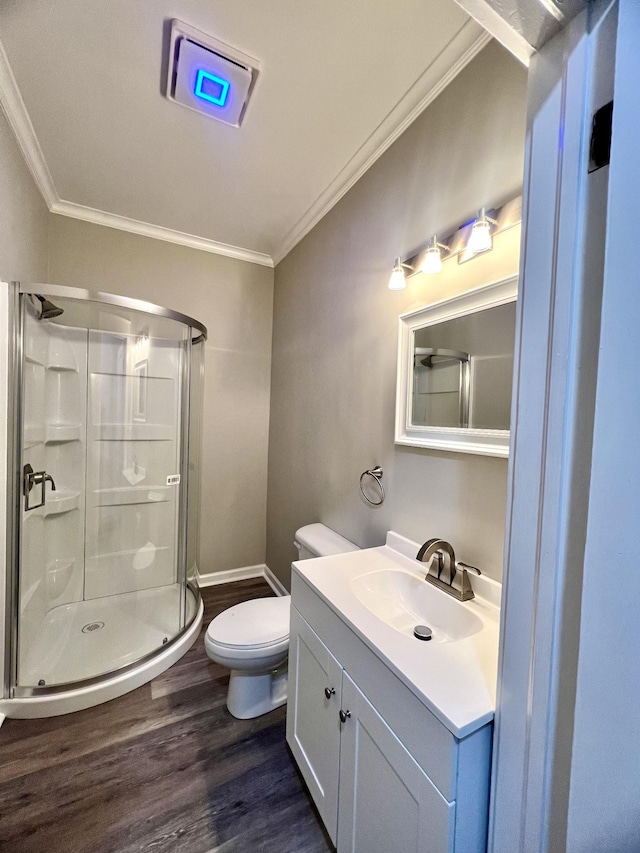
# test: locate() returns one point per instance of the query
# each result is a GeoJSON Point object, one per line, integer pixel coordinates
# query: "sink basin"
{"type": "Point", "coordinates": [381, 595]}
{"type": "Point", "coordinates": [402, 600]}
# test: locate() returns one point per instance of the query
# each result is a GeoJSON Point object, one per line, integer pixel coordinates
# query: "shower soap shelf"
{"type": "Point", "coordinates": [61, 501]}
{"type": "Point", "coordinates": [62, 367]}
{"type": "Point", "coordinates": [122, 496]}
{"type": "Point", "coordinates": [134, 432]}
{"type": "Point", "coordinates": [57, 502]}
{"type": "Point", "coordinates": [59, 433]}
{"type": "Point", "coordinates": [31, 359]}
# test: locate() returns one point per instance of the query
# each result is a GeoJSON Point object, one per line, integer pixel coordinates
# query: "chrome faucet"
{"type": "Point", "coordinates": [438, 553]}
{"type": "Point", "coordinates": [444, 571]}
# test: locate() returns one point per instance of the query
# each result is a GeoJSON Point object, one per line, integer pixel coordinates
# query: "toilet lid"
{"type": "Point", "coordinates": [252, 624]}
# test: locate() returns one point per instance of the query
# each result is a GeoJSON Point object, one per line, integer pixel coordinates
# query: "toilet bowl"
{"type": "Point", "coordinates": [252, 638]}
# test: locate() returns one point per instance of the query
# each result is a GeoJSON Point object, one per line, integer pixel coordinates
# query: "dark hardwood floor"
{"type": "Point", "coordinates": [164, 768]}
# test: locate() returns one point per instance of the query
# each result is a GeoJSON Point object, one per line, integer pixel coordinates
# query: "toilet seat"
{"type": "Point", "coordinates": [259, 625]}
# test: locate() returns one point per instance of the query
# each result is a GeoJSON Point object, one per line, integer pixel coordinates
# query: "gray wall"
{"type": "Point", "coordinates": [234, 300]}
{"type": "Point", "coordinates": [23, 215]}
{"type": "Point", "coordinates": [334, 337]}
{"type": "Point", "coordinates": [335, 331]}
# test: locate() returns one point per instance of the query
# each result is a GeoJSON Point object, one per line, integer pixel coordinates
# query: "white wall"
{"type": "Point", "coordinates": [234, 300]}
{"type": "Point", "coordinates": [335, 331]}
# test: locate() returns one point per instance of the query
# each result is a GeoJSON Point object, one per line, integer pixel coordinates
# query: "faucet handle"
{"type": "Point", "coordinates": [467, 568]}
{"type": "Point", "coordinates": [460, 580]}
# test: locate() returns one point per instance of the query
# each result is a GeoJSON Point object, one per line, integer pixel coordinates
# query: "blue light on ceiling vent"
{"type": "Point", "coordinates": [216, 90]}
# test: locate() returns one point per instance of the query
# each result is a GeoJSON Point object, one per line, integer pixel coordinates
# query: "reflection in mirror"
{"type": "Point", "coordinates": [440, 387]}
{"type": "Point", "coordinates": [455, 371]}
{"type": "Point", "coordinates": [463, 371]}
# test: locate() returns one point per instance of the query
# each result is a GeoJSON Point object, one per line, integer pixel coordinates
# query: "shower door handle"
{"type": "Point", "coordinates": [31, 478]}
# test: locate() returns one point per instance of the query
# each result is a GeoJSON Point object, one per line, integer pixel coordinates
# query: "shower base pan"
{"type": "Point", "coordinates": [79, 641]}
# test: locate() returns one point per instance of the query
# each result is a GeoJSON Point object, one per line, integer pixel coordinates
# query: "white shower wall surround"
{"type": "Point", "coordinates": [133, 438]}
{"type": "Point", "coordinates": [54, 440]}
{"type": "Point", "coordinates": [123, 421]}
{"type": "Point", "coordinates": [103, 563]}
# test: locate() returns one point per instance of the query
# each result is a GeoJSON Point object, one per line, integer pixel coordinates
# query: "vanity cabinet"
{"type": "Point", "coordinates": [313, 721]}
{"type": "Point", "coordinates": [386, 801]}
{"type": "Point", "coordinates": [383, 771]}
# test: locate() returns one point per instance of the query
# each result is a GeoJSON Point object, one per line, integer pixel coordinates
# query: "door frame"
{"type": "Point", "coordinates": [559, 314]}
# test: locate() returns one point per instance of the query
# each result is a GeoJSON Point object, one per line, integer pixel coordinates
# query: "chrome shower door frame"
{"type": "Point", "coordinates": [15, 401]}
{"type": "Point", "coordinates": [13, 497]}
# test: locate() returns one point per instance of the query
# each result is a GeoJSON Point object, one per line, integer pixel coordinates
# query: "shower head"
{"type": "Point", "coordinates": [49, 310]}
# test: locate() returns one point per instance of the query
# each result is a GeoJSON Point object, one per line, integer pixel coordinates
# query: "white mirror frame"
{"type": "Point", "coordinates": [486, 442]}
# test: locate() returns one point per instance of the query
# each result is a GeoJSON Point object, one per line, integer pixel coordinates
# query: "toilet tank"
{"type": "Point", "coordinates": [316, 540]}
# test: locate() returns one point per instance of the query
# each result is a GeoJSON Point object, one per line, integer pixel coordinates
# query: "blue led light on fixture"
{"type": "Point", "coordinates": [211, 88]}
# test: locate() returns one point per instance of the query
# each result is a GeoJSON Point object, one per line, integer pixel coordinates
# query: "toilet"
{"type": "Point", "coordinates": [252, 638]}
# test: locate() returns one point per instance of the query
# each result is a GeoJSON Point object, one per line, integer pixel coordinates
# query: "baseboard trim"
{"type": "Point", "coordinates": [244, 573]}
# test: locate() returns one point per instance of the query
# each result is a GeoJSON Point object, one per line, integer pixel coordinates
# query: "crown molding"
{"type": "Point", "coordinates": [18, 118]}
{"type": "Point", "coordinates": [462, 48]}
{"type": "Point", "coordinates": [158, 232]}
{"type": "Point", "coordinates": [16, 113]}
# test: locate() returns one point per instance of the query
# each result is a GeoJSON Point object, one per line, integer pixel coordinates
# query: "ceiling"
{"type": "Point", "coordinates": [82, 84]}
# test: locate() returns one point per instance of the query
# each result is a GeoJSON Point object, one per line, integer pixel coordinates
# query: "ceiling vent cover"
{"type": "Point", "coordinates": [207, 75]}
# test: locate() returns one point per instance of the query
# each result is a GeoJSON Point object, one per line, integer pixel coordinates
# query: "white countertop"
{"type": "Point", "coordinates": [455, 680]}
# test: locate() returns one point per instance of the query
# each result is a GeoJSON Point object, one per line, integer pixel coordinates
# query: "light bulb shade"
{"type": "Point", "coordinates": [398, 280]}
{"type": "Point", "coordinates": [432, 262]}
{"type": "Point", "coordinates": [480, 239]}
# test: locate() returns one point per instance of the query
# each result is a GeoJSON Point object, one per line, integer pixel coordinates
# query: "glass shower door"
{"type": "Point", "coordinates": [133, 477]}
{"type": "Point", "coordinates": [52, 518]}
{"type": "Point", "coordinates": [103, 534]}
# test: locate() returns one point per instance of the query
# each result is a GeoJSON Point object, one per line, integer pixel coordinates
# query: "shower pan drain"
{"type": "Point", "coordinates": [92, 626]}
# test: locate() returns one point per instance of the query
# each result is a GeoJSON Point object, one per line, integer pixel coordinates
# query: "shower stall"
{"type": "Point", "coordinates": [104, 438]}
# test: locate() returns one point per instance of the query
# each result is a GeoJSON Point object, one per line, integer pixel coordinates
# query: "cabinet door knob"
{"type": "Point", "coordinates": [344, 716]}
{"type": "Point", "coordinates": [329, 692]}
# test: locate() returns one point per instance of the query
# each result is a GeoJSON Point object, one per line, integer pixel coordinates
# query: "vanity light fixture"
{"type": "Point", "coordinates": [398, 280]}
{"type": "Point", "coordinates": [468, 241]}
{"type": "Point", "coordinates": [432, 262]}
{"type": "Point", "coordinates": [481, 239]}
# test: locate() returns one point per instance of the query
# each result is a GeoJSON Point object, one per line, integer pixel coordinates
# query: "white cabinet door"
{"type": "Point", "coordinates": [387, 802]}
{"type": "Point", "coordinates": [313, 723]}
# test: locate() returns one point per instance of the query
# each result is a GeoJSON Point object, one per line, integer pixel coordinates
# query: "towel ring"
{"type": "Point", "coordinates": [376, 473]}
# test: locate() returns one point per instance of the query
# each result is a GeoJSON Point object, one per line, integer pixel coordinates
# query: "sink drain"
{"type": "Point", "coordinates": [92, 626]}
{"type": "Point", "coordinates": [422, 632]}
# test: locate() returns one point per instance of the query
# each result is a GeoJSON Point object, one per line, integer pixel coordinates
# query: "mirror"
{"type": "Point", "coordinates": [455, 372]}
